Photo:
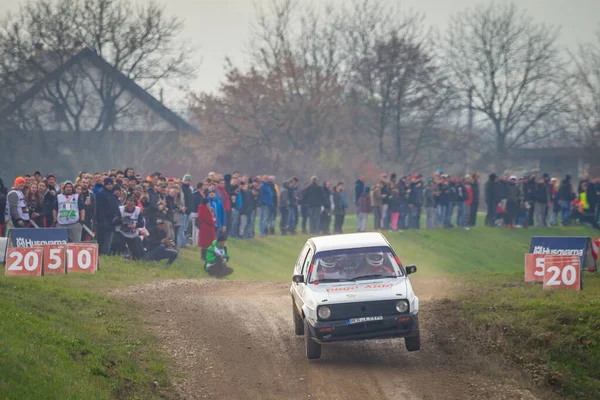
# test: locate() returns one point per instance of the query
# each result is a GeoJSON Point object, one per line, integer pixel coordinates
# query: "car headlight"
{"type": "Point", "coordinates": [402, 306]}
{"type": "Point", "coordinates": [324, 312]}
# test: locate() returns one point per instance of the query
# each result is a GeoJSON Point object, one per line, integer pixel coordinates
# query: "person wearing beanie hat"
{"type": "Point", "coordinates": [69, 212]}
{"type": "Point", "coordinates": [364, 209]}
{"type": "Point", "coordinates": [16, 210]}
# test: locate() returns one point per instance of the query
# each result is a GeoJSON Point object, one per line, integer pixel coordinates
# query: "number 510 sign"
{"type": "Point", "coordinates": [555, 272]}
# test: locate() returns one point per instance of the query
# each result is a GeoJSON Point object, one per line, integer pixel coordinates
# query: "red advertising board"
{"type": "Point", "coordinates": [82, 257]}
{"type": "Point", "coordinates": [534, 267]}
{"type": "Point", "coordinates": [24, 261]}
{"type": "Point", "coordinates": [55, 261]}
{"type": "Point", "coordinates": [562, 272]}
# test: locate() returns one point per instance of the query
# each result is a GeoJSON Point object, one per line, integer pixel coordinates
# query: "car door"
{"type": "Point", "coordinates": [304, 271]}
{"type": "Point", "coordinates": [298, 288]}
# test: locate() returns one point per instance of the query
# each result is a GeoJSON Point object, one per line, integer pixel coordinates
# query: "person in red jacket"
{"type": "Point", "coordinates": [207, 233]}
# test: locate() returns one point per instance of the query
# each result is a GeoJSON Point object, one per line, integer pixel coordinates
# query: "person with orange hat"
{"type": "Point", "coordinates": [16, 207]}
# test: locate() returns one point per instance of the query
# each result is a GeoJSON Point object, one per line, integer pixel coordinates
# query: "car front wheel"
{"type": "Point", "coordinates": [313, 349]}
{"type": "Point", "coordinates": [413, 343]}
{"type": "Point", "coordinates": [298, 322]}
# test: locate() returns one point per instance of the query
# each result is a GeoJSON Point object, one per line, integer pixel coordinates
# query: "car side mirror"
{"type": "Point", "coordinates": [298, 278]}
{"type": "Point", "coordinates": [411, 269]}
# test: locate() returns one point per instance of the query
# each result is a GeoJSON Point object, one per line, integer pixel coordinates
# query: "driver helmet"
{"type": "Point", "coordinates": [328, 262]}
{"type": "Point", "coordinates": [375, 259]}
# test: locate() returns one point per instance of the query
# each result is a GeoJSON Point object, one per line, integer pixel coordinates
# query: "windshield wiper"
{"type": "Point", "coordinates": [329, 280]}
{"type": "Point", "coordinates": [373, 276]}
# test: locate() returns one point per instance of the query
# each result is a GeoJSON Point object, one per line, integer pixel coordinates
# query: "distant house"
{"type": "Point", "coordinates": [68, 111]}
{"type": "Point", "coordinates": [558, 161]}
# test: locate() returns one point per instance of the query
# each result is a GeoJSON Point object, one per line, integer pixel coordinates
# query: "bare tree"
{"type": "Point", "coordinates": [513, 68]}
{"type": "Point", "coordinates": [584, 94]}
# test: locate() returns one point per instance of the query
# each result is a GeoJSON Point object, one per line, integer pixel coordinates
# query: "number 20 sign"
{"type": "Point", "coordinates": [562, 272]}
{"type": "Point", "coordinates": [24, 261]}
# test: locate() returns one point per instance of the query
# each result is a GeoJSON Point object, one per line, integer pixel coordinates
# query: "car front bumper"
{"type": "Point", "coordinates": [393, 326]}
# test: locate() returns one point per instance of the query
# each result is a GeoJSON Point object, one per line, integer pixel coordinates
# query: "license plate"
{"type": "Point", "coordinates": [363, 319]}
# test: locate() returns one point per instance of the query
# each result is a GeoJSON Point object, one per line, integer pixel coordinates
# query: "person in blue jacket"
{"type": "Point", "coordinates": [266, 202]}
{"type": "Point", "coordinates": [217, 206]}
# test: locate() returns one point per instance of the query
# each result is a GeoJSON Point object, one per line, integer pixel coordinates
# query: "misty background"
{"type": "Point", "coordinates": [291, 87]}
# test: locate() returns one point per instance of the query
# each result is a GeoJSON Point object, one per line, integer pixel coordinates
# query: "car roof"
{"type": "Point", "coordinates": [349, 241]}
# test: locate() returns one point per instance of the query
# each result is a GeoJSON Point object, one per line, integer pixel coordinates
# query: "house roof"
{"type": "Point", "coordinates": [90, 55]}
{"type": "Point", "coordinates": [349, 241]}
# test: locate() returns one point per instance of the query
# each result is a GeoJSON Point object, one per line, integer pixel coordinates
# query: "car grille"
{"type": "Point", "coordinates": [362, 309]}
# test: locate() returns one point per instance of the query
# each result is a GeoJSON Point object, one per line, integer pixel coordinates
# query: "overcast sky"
{"type": "Point", "coordinates": [220, 27]}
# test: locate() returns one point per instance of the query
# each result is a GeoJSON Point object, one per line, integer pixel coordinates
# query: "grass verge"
{"type": "Point", "coordinates": [553, 335]}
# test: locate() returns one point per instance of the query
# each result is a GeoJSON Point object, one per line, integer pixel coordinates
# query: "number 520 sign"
{"type": "Point", "coordinates": [555, 272]}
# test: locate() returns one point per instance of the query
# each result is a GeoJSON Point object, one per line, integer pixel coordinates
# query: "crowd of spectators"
{"type": "Point", "coordinates": [151, 217]}
{"type": "Point", "coordinates": [541, 201]}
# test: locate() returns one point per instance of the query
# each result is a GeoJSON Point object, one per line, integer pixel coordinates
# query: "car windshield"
{"type": "Point", "coordinates": [354, 264]}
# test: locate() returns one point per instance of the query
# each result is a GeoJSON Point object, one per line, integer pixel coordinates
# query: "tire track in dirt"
{"type": "Point", "coordinates": [235, 340]}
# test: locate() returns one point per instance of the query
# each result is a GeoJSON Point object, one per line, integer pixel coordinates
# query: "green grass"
{"type": "Point", "coordinates": [62, 342]}
{"type": "Point", "coordinates": [63, 337]}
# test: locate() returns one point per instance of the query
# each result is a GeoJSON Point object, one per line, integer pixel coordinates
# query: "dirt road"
{"type": "Point", "coordinates": [235, 340]}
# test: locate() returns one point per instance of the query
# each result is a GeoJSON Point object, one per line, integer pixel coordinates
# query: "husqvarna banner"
{"type": "Point", "coordinates": [23, 237]}
{"type": "Point", "coordinates": [565, 246]}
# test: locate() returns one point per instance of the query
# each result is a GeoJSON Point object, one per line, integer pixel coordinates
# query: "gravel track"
{"type": "Point", "coordinates": [235, 340]}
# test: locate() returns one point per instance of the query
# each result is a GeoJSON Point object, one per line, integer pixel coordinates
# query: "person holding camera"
{"type": "Point", "coordinates": [132, 220]}
{"type": "Point", "coordinates": [159, 246]}
{"type": "Point", "coordinates": [217, 257]}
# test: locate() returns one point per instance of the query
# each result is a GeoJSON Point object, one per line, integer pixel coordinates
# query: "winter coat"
{"type": "Point", "coordinates": [364, 203]}
{"type": "Point", "coordinates": [492, 191]}
{"type": "Point", "coordinates": [565, 191]}
{"type": "Point", "coordinates": [224, 198]}
{"type": "Point", "coordinates": [376, 200]}
{"type": "Point", "coordinates": [266, 195]}
{"type": "Point", "coordinates": [339, 203]}
{"type": "Point", "coordinates": [469, 190]}
{"type": "Point", "coordinates": [217, 207]}
{"type": "Point", "coordinates": [512, 193]}
{"type": "Point", "coordinates": [428, 199]}
{"type": "Point", "coordinates": [206, 233]}
{"type": "Point", "coordinates": [541, 196]}
{"type": "Point", "coordinates": [415, 197]}
{"type": "Point", "coordinates": [476, 194]}
{"type": "Point", "coordinates": [108, 214]}
{"type": "Point", "coordinates": [313, 196]}
{"type": "Point", "coordinates": [188, 201]}
{"type": "Point", "coordinates": [197, 197]}
{"type": "Point", "coordinates": [461, 193]}
{"type": "Point", "coordinates": [292, 192]}
{"type": "Point", "coordinates": [284, 197]}
{"type": "Point", "coordinates": [394, 203]}
{"type": "Point", "coordinates": [359, 187]}
{"type": "Point", "coordinates": [248, 202]}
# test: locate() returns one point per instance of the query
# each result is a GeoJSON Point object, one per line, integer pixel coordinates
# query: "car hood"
{"type": "Point", "coordinates": [346, 292]}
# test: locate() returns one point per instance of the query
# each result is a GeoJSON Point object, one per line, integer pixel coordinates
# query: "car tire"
{"type": "Point", "coordinates": [313, 349]}
{"type": "Point", "coordinates": [298, 322]}
{"type": "Point", "coordinates": [413, 343]}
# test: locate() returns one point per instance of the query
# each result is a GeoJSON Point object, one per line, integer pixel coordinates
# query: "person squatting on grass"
{"type": "Point", "coordinates": [217, 257]}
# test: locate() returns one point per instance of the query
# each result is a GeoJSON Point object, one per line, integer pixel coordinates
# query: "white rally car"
{"type": "Point", "coordinates": [353, 287]}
